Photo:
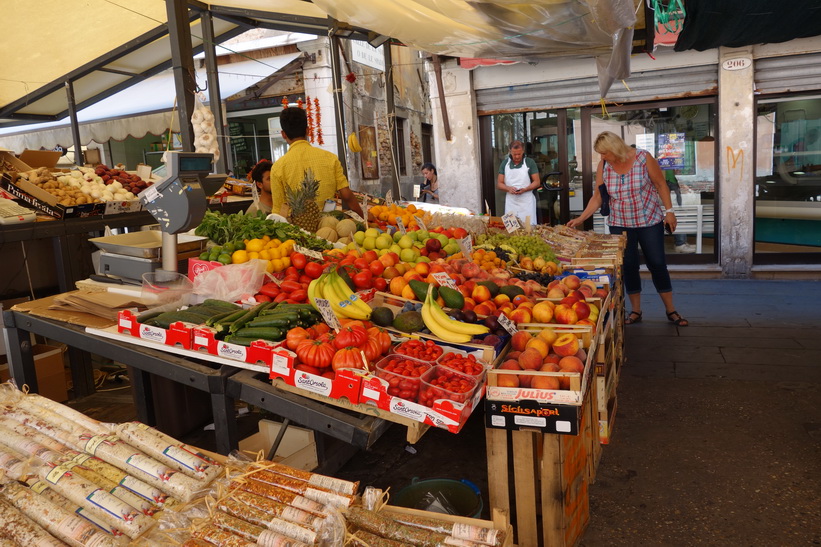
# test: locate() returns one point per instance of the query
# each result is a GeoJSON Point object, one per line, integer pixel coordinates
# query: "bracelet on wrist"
{"type": "Point", "coordinates": [666, 211]}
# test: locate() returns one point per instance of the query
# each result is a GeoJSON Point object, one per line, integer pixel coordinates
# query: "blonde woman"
{"type": "Point", "coordinates": [640, 206]}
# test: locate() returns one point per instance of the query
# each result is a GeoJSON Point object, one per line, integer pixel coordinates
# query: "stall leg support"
{"type": "Point", "coordinates": [143, 396]}
{"type": "Point", "coordinates": [226, 438]}
{"type": "Point", "coordinates": [20, 356]}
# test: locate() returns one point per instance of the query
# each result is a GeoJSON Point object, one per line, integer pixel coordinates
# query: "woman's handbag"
{"type": "Point", "coordinates": [605, 200]}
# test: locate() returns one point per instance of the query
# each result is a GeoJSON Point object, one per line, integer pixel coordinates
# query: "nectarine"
{"type": "Point", "coordinates": [518, 342]}
{"type": "Point", "coordinates": [543, 312]}
{"type": "Point", "coordinates": [530, 359]}
{"type": "Point", "coordinates": [539, 345]}
{"type": "Point", "coordinates": [548, 335]}
{"type": "Point", "coordinates": [566, 344]}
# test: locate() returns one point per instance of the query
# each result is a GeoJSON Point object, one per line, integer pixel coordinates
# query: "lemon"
{"type": "Point", "coordinates": [278, 265]}
{"type": "Point", "coordinates": [255, 245]}
{"type": "Point", "coordinates": [286, 262]}
{"type": "Point", "coordinates": [252, 255]}
{"type": "Point", "coordinates": [270, 267]}
{"type": "Point", "coordinates": [274, 253]}
{"type": "Point", "coordinates": [239, 257]}
{"type": "Point", "coordinates": [265, 254]}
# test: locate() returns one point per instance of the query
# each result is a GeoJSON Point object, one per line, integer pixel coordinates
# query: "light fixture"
{"type": "Point", "coordinates": [341, 30]}
{"type": "Point", "coordinates": [376, 40]}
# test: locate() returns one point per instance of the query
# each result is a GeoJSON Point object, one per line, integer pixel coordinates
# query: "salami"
{"type": "Point", "coordinates": [278, 494]}
{"type": "Point", "coordinates": [41, 488]}
{"type": "Point", "coordinates": [383, 526]}
{"type": "Point", "coordinates": [219, 537]}
{"type": "Point", "coordinates": [78, 418]}
{"type": "Point", "coordinates": [314, 479]}
{"type": "Point", "coordinates": [13, 463]}
{"type": "Point", "coordinates": [272, 508]}
{"type": "Point", "coordinates": [71, 529]}
{"type": "Point", "coordinates": [315, 493]}
{"type": "Point", "coordinates": [57, 419]}
{"type": "Point", "coordinates": [18, 527]}
{"type": "Point", "coordinates": [97, 501]}
{"type": "Point", "coordinates": [170, 451]}
{"type": "Point", "coordinates": [26, 445]}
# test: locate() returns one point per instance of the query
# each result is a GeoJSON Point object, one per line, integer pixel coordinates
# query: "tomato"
{"type": "Point", "coordinates": [298, 260]}
{"type": "Point", "coordinates": [262, 298]}
{"type": "Point", "coordinates": [461, 363]}
{"type": "Point", "coordinates": [351, 336]}
{"type": "Point", "coordinates": [372, 349]}
{"type": "Point", "coordinates": [361, 264]}
{"type": "Point", "coordinates": [281, 297]}
{"type": "Point", "coordinates": [370, 256]}
{"type": "Point", "coordinates": [446, 384]}
{"type": "Point", "coordinates": [327, 337]}
{"type": "Point", "coordinates": [402, 376]}
{"type": "Point", "coordinates": [305, 279]}
{"type": "Point", "coordinates": [363, 280]}
{"type": "Point", "coordinates": [291, 273]}
{"type": "Point", "coordinates": [376, 268]}
{"type": "Point", "coordinates": [295, 336]}
{"type": "Point", "coordinates": [314, 269]}
{"type": "Point", "coordinates": [349, 357]}
{"type": "Point", "coordinates": [300, 296]}
{"type": "Point", "coordinates": [426, 351]}
{"type": "Point", "coordinates": [308, 368]}
{"type": "Point", "coordinates": [270, 289]}
{"type": "Point", "coordinates": [347, 260]}
{"type": "Point", "coordinates": [291, 286]}
{"type": "Point", "coordinates": [380, 283]}
{"type": "Point", "coordinates": [321, 328]}
{"type": "Point", "coordinates": [382, 335]}
{"type": "Point", "coordinates": [315, 353]}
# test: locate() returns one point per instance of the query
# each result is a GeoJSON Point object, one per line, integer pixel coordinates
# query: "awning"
{"type": "Point", "coordinates": [143, 108]}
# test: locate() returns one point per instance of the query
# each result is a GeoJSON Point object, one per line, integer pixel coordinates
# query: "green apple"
{"type": "Point", "coordinates": [395, 248]}
{"type": "Point", "coordinates": [423, 259]}
{"type": "Point", "coordinates": [397, 235]}
{"type": "Point", "coordinates": [351, 246]}
{"type": "Point", "coordinates": [359, 237]}
{"type": "Point", "coordinates": [381, 252]}
{"type": "Point", "coordinates": [442, 238]}
{"type": "Point", "coordinates": [407, 255]}
{"type": "Point", "coordinates": [422, 235]}
{"type": "Point", "coordinates": [384, 241]}
{"type": "Point", "coordinates": [451, 248]}
{"type": "Point", "coordinates": [369, 243]}
{"type": "Point", "coordinates": [405, 242]}
{"type": "Point", "coordinates": [372, 232]}
{"type": "Point", "coordinates": [413, 235]}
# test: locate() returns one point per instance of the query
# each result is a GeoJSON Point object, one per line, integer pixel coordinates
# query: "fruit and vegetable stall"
{"type": "Point", "coordinates": [418, 317]}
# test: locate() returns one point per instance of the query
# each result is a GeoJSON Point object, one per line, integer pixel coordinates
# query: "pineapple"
{"type": "Point", "coordinates": [302, 201]}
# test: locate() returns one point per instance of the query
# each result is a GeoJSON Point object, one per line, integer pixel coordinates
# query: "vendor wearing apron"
{"type": "Point", "coordinates": [519, 176]}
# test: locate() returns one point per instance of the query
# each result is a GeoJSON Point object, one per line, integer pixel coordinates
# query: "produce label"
{"type": "Point", "coordinates": [118, 207]}
{"type": "Point", "coordinates": [466, 245]}
{"type": "Point", "coordinates": [111, 505]}
{"type": "Point", "coordinates": [280, 364]}
{"type": "Point", "coordinates": [308, 252]}
{"type": "Point", "coordinates": [444, 280]}
{"type": "Point", "coordinates": [401, 225]}
{"type": "Point", "coordinates": [57, 473]}
{"type": "Point", "coordinates": [511, 222]}
{"type": "Point", "coordinates": [507, 324]}
{"type": "Point", "coordinates": [149, 466]}
{"type": "Point", "coordinates": [327, 313]}
{"type": "Point", "coordinates": [420, 223]}
{"type": "Point", "coordinates": [39, 486]}
{"type": "Point", "coordinates": [354, 215]}
{"type": "Point", "coordinates": [149, 194]}
{"type": "Point", "coordinates": [232, 351]}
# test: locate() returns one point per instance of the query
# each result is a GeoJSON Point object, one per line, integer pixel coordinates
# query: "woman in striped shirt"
{"type": "Point", "coordinates": [640, 207]}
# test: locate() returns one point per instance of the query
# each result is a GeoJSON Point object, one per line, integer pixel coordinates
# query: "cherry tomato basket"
{"type": "Point", "coordinates": [464, 363]}
{"type": "Point", "coordinates": [424, 350]}
{"type": "Point", "coordinates": [403, 374]}
{"type": "Point", "coordinates": [445, 383]}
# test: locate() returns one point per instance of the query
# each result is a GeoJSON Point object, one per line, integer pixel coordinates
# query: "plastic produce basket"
{"type": "Point", "coordinates": [403, 374]}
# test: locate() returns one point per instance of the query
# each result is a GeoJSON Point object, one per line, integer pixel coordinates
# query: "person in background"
{"type": "Point", "coordinates": [260, 176]}
{"type": "Point", "coordinates": [681, 245]}
{"type": "Point", "coordinates": [518, 177]}
{"type": "Point", "coordinates": [640, 206]}
{"type": "Point", "coordinates": [290, 168]}
{"type": "Point", "coordinates": [429, 193]}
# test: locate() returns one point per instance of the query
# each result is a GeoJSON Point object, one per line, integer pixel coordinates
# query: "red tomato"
{"type": "Point", "coordinates": [299, 296]}
{"type": "Point", "coordinates": [426, 351]}
{"type": "Point", "coordinates": [290, 286]}
{"type": "Point", "coordinates": [363, 280]}
{"type": "Point", "coordinates": [298, 260]}
{"type": "Point", "coordinates": [351, 336]}
{"type": "Point", "coordinates": [372, 349]}
{"type": "Point", "coordinates": [380, 283]}
{"type": "Point", "coordinates": [295, 336]}
{"type": "Point", "coordinates": [305, 280]}
{"type": "Point", "coordinates": [280, 297]}
{"type": "Point", "coordinates": [349, 357]}
{"type": "Point", "coordinates": [314, 269]}
{"type": "Point", "coordinates": [361, 264]}
{"type": "Point", "coordinates": [308, 368]}
{"type": "Point", "coordinates": [270, 289]}
{"type": "Point", "coordinates": [376, 268]}
{"type": "Point", "coordinates": [262, 298]}
{"type": "Point", "coordinates": [347, 260]}
{"type": "Point", "coordinates": [370, 256]}
{"type": "Point", "coordinates": [291, 271]}
{"type": "Point", "coordinates": [382, 335]}
{"type": "Point", "coordinates": [315, 353]}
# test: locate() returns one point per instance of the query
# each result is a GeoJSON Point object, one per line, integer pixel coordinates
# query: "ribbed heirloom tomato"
{"type": "Point", "coordinates": [349, 357]}
{"type": "Point", "coordinates": [315, 353]}
{"type": "Point", "coordinates": [295, 336]}
{"type": "Point", "coordinates": [354, 336]}
{"type": "Point", "coordinates": [380, 334]}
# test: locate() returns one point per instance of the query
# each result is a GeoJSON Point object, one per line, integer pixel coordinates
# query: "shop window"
{"type": "Point", "coordinates": [427, 143]}
{"type": "Point", "coordinates": [788, 178]}
{"type": "Point", "coordinates": [399, 151]}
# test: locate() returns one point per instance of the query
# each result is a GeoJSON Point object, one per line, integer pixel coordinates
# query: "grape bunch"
{"type": "Point", "coordinates": [542, 278]}
{"type": "Point", "coordinates": [501, 253]}
{"type": "Point", "coordinates": [532, 246]}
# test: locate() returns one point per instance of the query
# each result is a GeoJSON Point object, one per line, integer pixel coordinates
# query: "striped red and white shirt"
{"type": "Point", "coordinates": [634, 200]}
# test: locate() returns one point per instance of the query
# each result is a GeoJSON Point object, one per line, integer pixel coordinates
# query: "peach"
{"type": "Point", "coordinates": [565, 315]}
{"type": "Point", "coordinates": [519, 341]}
{"type": "Point", "coordinates": [411, 274]}
{"type": "Point", "coordinates": [530, 359]}
{"type": "Point", "coordinates": [500, 299]}
{"type": "Point", "coordinates": [577, 294]}
{"type": "Point", "coordinates": [548, 335]}
{"type": "Point", "coordinates": [525, 380]}
{"type": "Point", "coordinates": [555, 292]}
{"type": "Point", "coordinates": [569, 300]}
{"type": "Point", "coordinates": [543, 312]}
{"type": "Point", "coordinates": [582, 309]}
{"type": "Point", "coordinates": [571, 363]}
{"type": "Point", "coordinates": [483, 309]}
{"type": "Point", "coordinates": [572, 281]}
{"type": "Point", "coordinates": [408, 293]}
{"type": "Point", "coordinates": [397, 285]}
{"type": "Point", "coordinates": [422, 268]}
{"type": "Point", "coordinates": [469, 304]}
{"type": "Point", "coordinates": [582, 354]}
{"type": "Point", "coordinates": [520, 299]}
{"type": "Point", "coordinates": [510, 364]}
{"type": "Point", "coordinates": [554, 283]}
{"type": "Point", "coordinates": [585, 322]}
{"type": "Point", "coordinates": [401, 267]}
{"type": "Point", "coordinates": [520, 315]}
{"type": "Point", "coordinates": [539, 345]}
{"type": "Point", "coordinates": [471, 269]}
{"type": "Point", "coordinates": [480, 294]}
{"type": "Point", "coordinates": [465, 291]}
{"type": "Point", "coordinates": [507, 380]}
{"type": "Point", "coordinates": [551, 366]}
{"type": "Point", "coordinates": [601, 293]}
{"type": "Point", "coordinates": [545, 382]}
{"type": "Point", "coordinates": [514, 355]}
{"type": "Point", "coordinates": [566, 344]}
{"type": "Point", "coordinates": [391, 272]}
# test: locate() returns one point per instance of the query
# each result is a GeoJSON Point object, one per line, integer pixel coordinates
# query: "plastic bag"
{"type": "Point", "coordinates": [232, 282]}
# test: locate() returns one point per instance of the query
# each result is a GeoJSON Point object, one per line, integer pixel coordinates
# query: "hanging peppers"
{"type": "Point", "coordinates": [319, 139]}
{"type": "Point", "coordinates": [310, 116]}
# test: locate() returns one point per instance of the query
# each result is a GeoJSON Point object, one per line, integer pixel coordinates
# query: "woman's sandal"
{"type": "Point", "coordinates": [675, 317]}
{"type": "Point", "coordinates": [634, 317]}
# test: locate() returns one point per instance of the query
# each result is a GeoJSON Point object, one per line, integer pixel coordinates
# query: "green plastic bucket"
{"type": "Point", "coordinates": [458, 497]}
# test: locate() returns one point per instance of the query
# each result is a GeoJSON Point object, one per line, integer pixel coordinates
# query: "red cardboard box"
{"type": "Point", "coordinates": [346, 384]}
{"type": "Point", "coordinates": [178, 334]}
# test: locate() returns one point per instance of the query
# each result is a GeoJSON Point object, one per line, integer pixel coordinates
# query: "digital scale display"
{"type": "Point", "coordinates": [195, 163]}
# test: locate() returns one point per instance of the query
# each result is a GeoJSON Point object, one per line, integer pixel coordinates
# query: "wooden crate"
{"type": "Point", "coordinates": [552, 474]}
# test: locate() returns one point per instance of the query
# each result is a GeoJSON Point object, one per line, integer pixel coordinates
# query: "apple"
{"type": "Point", "coordinates": [433, 245]}
{"type": "Point", "coordinates": [566, 344]}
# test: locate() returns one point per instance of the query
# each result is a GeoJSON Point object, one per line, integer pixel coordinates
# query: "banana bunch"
{"type": "Point", "coordinates": [445, 327]}
{"type": "Point", "coordinates": [353, 144]}
{"type": "Point", "coordinates": [344, 303]}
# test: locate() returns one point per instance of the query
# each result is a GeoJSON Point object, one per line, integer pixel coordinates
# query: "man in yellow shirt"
{"type": "Point", "coordinates": [290, 168]}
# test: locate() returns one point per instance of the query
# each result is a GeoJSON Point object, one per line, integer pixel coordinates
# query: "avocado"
{"type": "Point", "coordinates": [493, 287]}
{"type": "Point", "coordinates": [512, 291]}
{"type": "Point", "coordinates": [382, 316]}
{"type": "Point", "coordinates": [343, 273]}
{"type": "Point", "coordinates": [420, 289]}
{"type": "Point", "coordinates": [409, 321]}
{"type": "Point", "coordinates": [453, 298]}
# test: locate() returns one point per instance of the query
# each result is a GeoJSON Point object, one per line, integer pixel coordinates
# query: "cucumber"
{"type": "Point", "coordinates": [225, 322]}
{"type": "Point", "coordinates": [145, 316]}
{"type": "Point", "coordinates": [266, 333]}
{"type": "Point", "coordinates": [216, 318]}
{"type": "Point", "coordinates": [220, 304]}
{"type": "Point", "coordinates": [241, 340]}
{"type": "Point", "coordinates": [282, 320]}
{"type": "Point", "coordinates": [248, 316]}
{"type": "Point", "coordinates": [165, 319]}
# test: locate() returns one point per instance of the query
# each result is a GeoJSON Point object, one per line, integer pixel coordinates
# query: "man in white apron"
{"type": "Point", "coordinates": [518, 177]}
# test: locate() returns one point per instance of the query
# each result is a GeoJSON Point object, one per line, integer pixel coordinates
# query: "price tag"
{"type": "Point", "coordinates": [466, 245]}
{"type": "Point", "coordinates": [117, 207]}
{"type": "Point", "coordinates": [507, 324]}
{"type": "Point", "coordinates": [511, 222]}
{"type": "Point", "coordinates": [274, 279]}
{"type": "Point", "coordinates": [365, 209]}
{"type": "Point", "coordinates": [149, 194]}
{"type": "Point", "coordinates": [308, 252]}
{"type": "Point", "coordinates": [357, 247]}
{"type": "Point", "coordinates": [327, 313]}
{"type": "Point", "coordinates": [487, 208]}
{"type": "Point", "coordinates": [444, 280]}
{"type": "Point", "coordinates": [401, 225]}
{"type": "Point", "coordinates": [389, 197]}
{"type": "Point", "coordinates": [354, 215]}
{"type": "Point", "coordinates": [420, 223]}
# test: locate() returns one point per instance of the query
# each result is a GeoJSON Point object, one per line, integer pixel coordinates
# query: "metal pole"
{"type": "Point", "coordinates": [338, 104]}
{"type": "Point", "coordinates": [391, 106]}
{"type": "Point", "coordinates": [182, 61]}
{"type": "Point", "coordinates": [207, 23]}
{"type": "Point", "coordinates": [75, 128]}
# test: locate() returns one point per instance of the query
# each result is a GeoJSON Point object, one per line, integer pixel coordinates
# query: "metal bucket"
{"type": "Point", "coordinates": [455, 497]}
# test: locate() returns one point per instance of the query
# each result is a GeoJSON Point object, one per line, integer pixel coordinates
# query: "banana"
{"type": "Point", "coordinates": [342, 288]}
{"type": "Point", "coordinates": [353, 143]}
{"type": "Point", "coordinates": [315, 290]}
{"type": "Point", "coordinates": [439, 330]}
{"type": "Point", "coordinates": [452, 324]}
{"type": "Point", "coordinates": [340, 303]}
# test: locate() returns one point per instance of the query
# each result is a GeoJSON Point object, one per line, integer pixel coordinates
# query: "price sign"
{"type": "Point", "coordinates": [401, 225]}
{"type": "Point", "coordinates": [507, 324]}
{"type": "Point", "coordinates": [357, 247]}
{"type": "Point", "coordinates": [354, 215]}
{"type": "Point", "coordinates": [308, 252]}
{"type": "Point", "coordinates": [389, 197]}
{"type": "Point", "coordinates": [466, 245]}
{"type": "Point", "coordinates": [365, 209]}
{"type": "Point", "coordinates": [444, 280]}
{"type": "Point", "coordinates": [274, 279]}
{"type": "Point", "coordinates": [487, 208]}
{"type": "Point", "coordinates": [420, 223]}
{"type": "Point", "coordinates": [511, 222]}
{"type": "Point", "coordinates": [327, 313]}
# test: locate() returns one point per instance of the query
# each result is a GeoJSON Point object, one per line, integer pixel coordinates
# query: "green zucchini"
{"type": "Point", "coordinates": [241, 340]}
{"type": "Point", "coordinates": [282, 320]}
{"type": "Point", "coordinates": [266, 333]}
{"type": "Point", "coordinates": [220, 304]}
{"type": "Point", "coordinates": [165, 319]}
{"type": "Point", "coordinates": [147, 315]}
{"type": "Point", "coordinates": [216, 318]}
{"type": "Point", "coordinates": [225, 322]}
{"type": "Point", "coordinates": [248, 316]}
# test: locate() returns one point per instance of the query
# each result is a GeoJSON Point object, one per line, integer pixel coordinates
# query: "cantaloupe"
{"type": "Point", "coordinates": [327, 233]}
{"type": "Point", "coordinates": [346, 227]}
{"type": "Point", "coordinates": [328, 221]}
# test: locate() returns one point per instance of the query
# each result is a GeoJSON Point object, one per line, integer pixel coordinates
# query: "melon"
{"type": "Point", "coordinates": [327, 233]}
{"type": "Point", "coordinates": [346, 227]}
{"type": "Point", "coordinates": [328, 221]}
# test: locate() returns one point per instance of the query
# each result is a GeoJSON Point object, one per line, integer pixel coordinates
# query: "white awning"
{"type": "Point", "coordinates": [143, 108]}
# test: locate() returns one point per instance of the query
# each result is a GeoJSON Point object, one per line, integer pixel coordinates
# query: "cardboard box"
{"type": "Point", "coordinates": [296, 449]}
{"type": "Point", "coordinates": [43, 201]}
{"type": "Point", "coordinates": [10, 162]}
{"type": "Point", "coordinates": [51, 375]}
{"type": "Point", "coordinates": [40, 158]}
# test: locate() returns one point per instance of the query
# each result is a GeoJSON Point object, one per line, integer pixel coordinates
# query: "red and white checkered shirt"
{"type": "Point", "coordinates": [634, 200]}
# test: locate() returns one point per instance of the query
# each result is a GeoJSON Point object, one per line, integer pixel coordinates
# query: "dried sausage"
{"type": "Point", "coordinates": [272, 508]}
{"type": "Point", "coordinates": [314, 479]}
{"type": "Point", "coordinates": [105, 469]}
{"type": "Point", "coordinates": [17, 526]}
{"type": "Point", "coordinates": [278, 494]}
{"type": "Point", "coordinates": [94, 426]}
{"type": "Point", "coordinates": [315, 493]}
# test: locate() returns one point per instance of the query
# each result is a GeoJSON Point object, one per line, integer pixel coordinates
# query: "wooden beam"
{"type": "Point", "coordinates": [437, 69]}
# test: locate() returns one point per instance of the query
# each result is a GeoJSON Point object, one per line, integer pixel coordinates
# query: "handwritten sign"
{"type": "Point", "coordinates": [511, 222]}
{"type": "Point", "coordinates": [328, 313]}
{"type": "Point", "coordinates": [466, 245]}
{"type": "Point", "coordinates": [507, 324]}
{"type": "Point", "coordinates": [420, 223]}
{"type": "Point", "coordinates": [401, 225]}
{"type": "Point", "coordinates": [354, 215]}
{"type": "Point", "coordinates": [444, 280]}
{"type": "Point", "coordinates": [365, 209]}
{"type": "Point", "coordinates": [356, 246]}
{"type": "Point", "coordinates": [389, 197]}
{"type": "Point", "coordinates": [308, 252]}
